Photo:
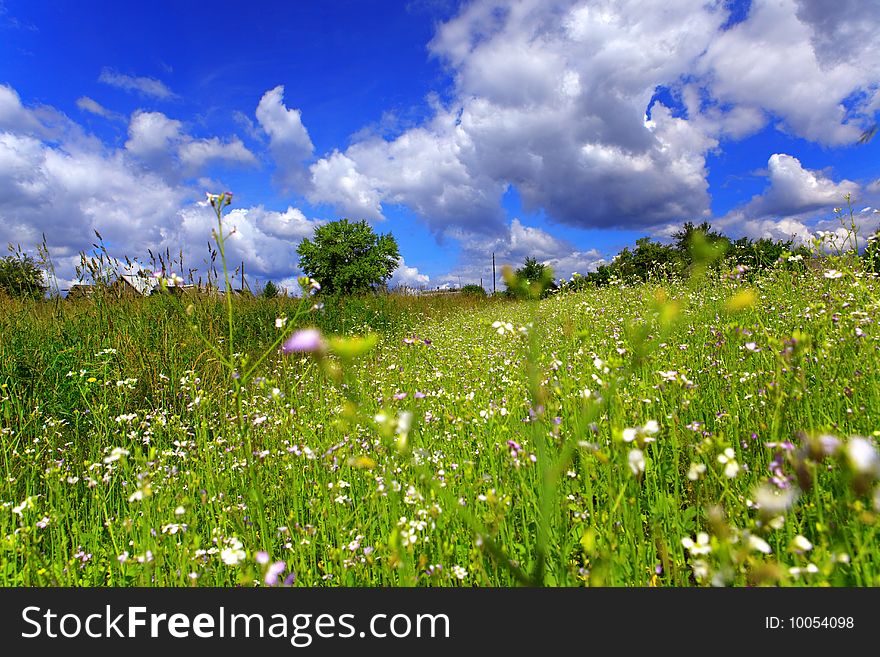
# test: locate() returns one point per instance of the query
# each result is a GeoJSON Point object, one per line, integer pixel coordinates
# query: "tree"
{"type": "Point", "coordinates": [532, 279]}
{"type": "Point", "coordinates": [348, 257]}
{"type": "Point", "coordinates": [871, 254]}
{"type": "Point", "coordinates": [270, 290]}
{"type": "Point", "coordinates": [473, 290]}
{"type": "Point", "coordinates": [20, 277]}
{"type": "Point", "coordinates": [700, 244]}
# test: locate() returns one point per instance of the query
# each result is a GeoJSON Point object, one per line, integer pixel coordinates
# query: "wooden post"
{"type": "Point", "coordinates": [493, 273]}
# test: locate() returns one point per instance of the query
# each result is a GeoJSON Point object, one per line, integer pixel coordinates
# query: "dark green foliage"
{"type": "Point", "coordinates": [532, 270]}
{"type": "Point", "coordinates": [476, 290]}
{"type": "Point", "coordinates": [270, 290]}
{"type": "Point", "coordinates": [694, 246]}
{"type": "Point", "coordinates": [20, 277]}
{"type": "Point", "coordinates": [871, 255]}
{"type": "Point", "coordinates": [348, 257]}
{"type": "Point", "coordinates": [533, 279]}
{"type": "Point", "coordinates": [649, 259]}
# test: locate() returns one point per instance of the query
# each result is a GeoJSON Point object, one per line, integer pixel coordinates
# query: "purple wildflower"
{"type": "Point", "coordinates": [304, 341]}
{"type": "Point", "coordinates": [272, 573]}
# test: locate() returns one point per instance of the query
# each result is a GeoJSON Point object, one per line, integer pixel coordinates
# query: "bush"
{"type": "Point", "coordinates": [20, 277]}
{"type": "Point", "coordinates": [476, 290]}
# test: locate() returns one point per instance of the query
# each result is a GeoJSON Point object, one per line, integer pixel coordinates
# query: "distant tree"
{"type": "Point", "coordinates": [270, 290]}
{"type": "Point", "coordinates": [871, 254]}
{"type": "Point", "coordinates": [346, 257]}
{"type": "Point", "coordinates": [475, 290]}
{"type": "Point", "coordinates": [758, 254]}
{"type": "Point", "coordinates": [20, 277]}
{"type": "Point", "coordinates": [532, 279]}
{"type": "Point", "coordinates": [532, 270]}
{"type": "Point", "coordinates": [700, 243]}
{"type": "Point", "coordinates": [653, 259]}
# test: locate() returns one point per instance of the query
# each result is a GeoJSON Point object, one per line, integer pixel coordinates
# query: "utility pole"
{"type": "Point", "coordinates": [493, 273]}
{"type": "Point", "coordinates": [242, 276]}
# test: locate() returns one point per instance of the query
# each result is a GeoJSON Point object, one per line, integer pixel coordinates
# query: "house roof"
{"type": "Point", "coordinates": [144, 285]}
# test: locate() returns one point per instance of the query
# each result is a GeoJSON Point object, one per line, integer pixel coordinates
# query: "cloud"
{"type": "Point", "coordinates": [86, 104]}
{"type": "Point", "coordinates": [13, 116]}
{"type": "Point", "coordinates": [796, 203]}
{"type": "Point", "coordinates": [795, 190]}
{"type": "Point", "coordinates": [511, 246]}
{"type": "Point", "coordinates": [265, 241]}
{"type": "Point", "coordinates": [289, 141]}
{"type": "Point", "coordinates": [558, 99]}
{"type": "Point", "coordinates": [150, 87]}
{"type": "Point", "coordinates": [197, 153]}
{"type": "Point", "coordinates": [58, 181]}
{"type": "Point", "coordinates": [406, 276]}
{"type": "Point", "coordinates": [159, 142]}
{"type": "Point", "coordinates": [791, 59]}
{"type": "Point", "coordinates": [41, 120]}
{"type": "Point", "coordinates": [336, 180]}
{"type": "Point", "coordinates": [152, 137]}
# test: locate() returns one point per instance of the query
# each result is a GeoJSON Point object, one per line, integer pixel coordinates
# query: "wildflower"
{"type": "Point", "coordinates": [696, 471]}
{"type": "Point", "coordinates": [115, 454]}
{"type": "Point", "coordinates": [801, 544]}
{"type": "Point", "coordinates": [636, 460]}
{"type": "Point", "coordinates": [304, 341]}
{"type": "Point", "coordinates": [832, 274]}
{"type": "Point", "coordinates": [809, 568]}
{"type": "Point", "coordinates": [862, 456]}
{"type": "Point", "coordinates": [219, 200]}
{"type": "Point", "coordinates": [728, 459]}
{"type": "Point", "coordinates": [772, 501]}
{"type": "Point", "coordinates": [273, 572]}
{"type": "Point", "coordinates": [759, 544]}
{"type": "Point", "coordinates": [280, 322]}
{"type": "Point", "coordinates": [233, 554]}
{"type": "Point", "coordinates": [502, 327]}
{"type": "Point", "coordinates": [262, 557]}
{"type": "Point", "coordinates": [27, 504]}
{"type": "Point", "coordinates": [459, 572]}
{"type": "Point", "coordinates": [642, 435]}
{"type": "Point", "coordinates": [701, 546]}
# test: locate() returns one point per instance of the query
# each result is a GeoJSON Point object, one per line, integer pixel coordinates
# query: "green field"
{"type": "Point", "coordinates": [714, 431]}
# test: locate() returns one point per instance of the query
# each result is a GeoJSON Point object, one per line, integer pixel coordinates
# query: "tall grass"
{"type": "Point", "coordinates": [481, 442]}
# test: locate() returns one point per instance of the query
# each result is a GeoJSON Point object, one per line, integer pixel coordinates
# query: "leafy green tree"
{"type": "Point", "coordinates": [871, 254]}
{"type": "Point", "coordinates": [532, 279]}
{"type": "Point", "coordinates": [346, 257]}
{"type": "Point", "coordinates": [474, 290]}
{"type": "Point", "coordinates": [20, 277]}
{"type": "Point", "coordinates": [532, 270]}
{"type": "Point", "coordinates": [270, 290]}
{"type": "Point", "coordinates": [700, 244]}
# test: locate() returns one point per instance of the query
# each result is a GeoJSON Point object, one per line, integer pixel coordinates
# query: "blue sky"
{"type": "Point", "coordinates": [563, 130]}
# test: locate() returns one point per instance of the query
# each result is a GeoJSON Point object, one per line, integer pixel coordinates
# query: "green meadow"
{"type": "Point", "coordinates": [718, 430]}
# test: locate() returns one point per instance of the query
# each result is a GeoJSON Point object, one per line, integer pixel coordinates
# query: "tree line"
{"type": "Point", "coordinates": [346, 257]}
